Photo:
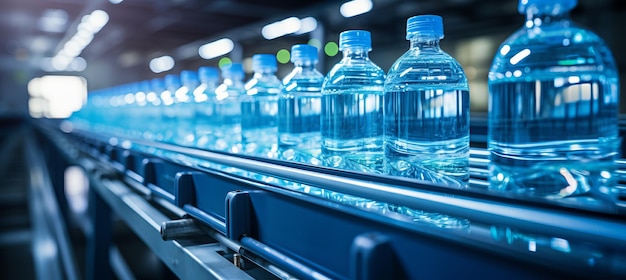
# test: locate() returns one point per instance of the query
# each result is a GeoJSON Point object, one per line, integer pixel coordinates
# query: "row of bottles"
{"type": "Point", "coordinates": [335, 119]}
{"type": "Point", "coordinates": [553, 108]}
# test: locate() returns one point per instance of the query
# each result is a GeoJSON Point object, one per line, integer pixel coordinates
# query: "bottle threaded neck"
{"type": "Point", "coordinates": [552, 7]}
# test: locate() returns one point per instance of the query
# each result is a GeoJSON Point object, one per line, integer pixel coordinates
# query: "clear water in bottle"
{"type": "Point", "coordinates": [228, 109]}
{"type": "Point", "coordinates": [153, 110]}
{"type": "Point", "coordinates": [204, 100]}
{"type": "Point", "coordinates": [184, 107]}
{"type": "Point", "coordinates": [427, 110]}
{"type": "Point", "coordinates": [553, 108]}
{"type": "Point", "coordinates": [168, 110]}
{"type": "Point", "coordinates": [259, 108]}
{"type": "Point", "coordinates": [300, 107]}
{"type": "Point", "coordinates": [352, 108]}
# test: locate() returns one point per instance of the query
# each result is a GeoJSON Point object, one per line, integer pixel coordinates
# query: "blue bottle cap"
{"type": "Point", "coordinates": [355, 38]}
{"type": "Point", "coordinates": [172, 81]}
{"type": "Point", "coordinates": [188, 77]}
{"type": "Point", "coordinates": [303, 52]}
{"type": "Point", "coordinates": [233, 71]}
{"type": "Point", "coordinates": [264, 61]}
{"type": "Point", "coordinates": [144, 85]}
{"type": "Point", "coordinates": [424, 25]}
{"type": "Point", "coordinates": [157, 85]}
{"type": "Point", "coordinates": [565, 5]}
{"type": "Point", "coordinates": [208, 73]}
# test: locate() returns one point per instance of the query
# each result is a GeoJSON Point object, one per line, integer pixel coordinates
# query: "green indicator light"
{"type": "Point", "coordinates": [331, 49]}
{"type": "Point", "coordinates": [224, 61]}
{"type": "Point", "coordinates": [316, 43]}
{"type": "Point", "coordinates": [283, 56]}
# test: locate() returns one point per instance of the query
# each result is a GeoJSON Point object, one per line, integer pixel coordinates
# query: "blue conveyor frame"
{"type": "Point", "coordinates": [244, 205]}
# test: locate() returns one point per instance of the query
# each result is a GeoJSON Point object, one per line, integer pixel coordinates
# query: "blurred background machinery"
{"type": "Point", "coordinates": [42, 38]}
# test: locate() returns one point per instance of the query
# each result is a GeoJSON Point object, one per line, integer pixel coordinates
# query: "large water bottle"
{"type": "Point", "coordinates": [185, 108]}
{"type": "Point", "coordinates": [168, 111]}
{"type": "Point", "coordinates": [299, 108]}
{"type": "Point", "coordinates": [204, 99]}
{"type": "Point", "coordinates": [352, 107]}
{"type": "Point", "coordinates": [553, 108]}
{"type": "Point", "coordinates": [259, 108]}
{"type": "Point", "coordinates": [427, 109]}
{"type": "Point", "coordinates": [228, 108]}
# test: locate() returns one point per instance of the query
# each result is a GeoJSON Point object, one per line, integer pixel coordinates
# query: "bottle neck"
{"type": "Point", "coordinates": [264, 72]}
{"type": "Point", "coordinates": [356, 53]}
{"type": "Point", "coordinates": [305, 65]}
{"type": "Point", "coordinates": [209, 81]}
{"type": "Point", "coordinates": [425, 43]}
{"type": "Point", "coordinates": [539, 16]}
{"type": "Point", "coordinates": [191, 85]}
{"type": "Point", "coordinates": [229, 81]}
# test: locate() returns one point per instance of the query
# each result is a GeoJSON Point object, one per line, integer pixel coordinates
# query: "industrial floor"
{"type": "Point", "coordinates": [18, 255]}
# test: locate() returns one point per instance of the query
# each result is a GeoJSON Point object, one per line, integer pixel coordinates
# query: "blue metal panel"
{"type": "Point", "coordinates": [133, 162]}
{"type": "Point", "coordinates": [300, 236]}
{"type": "Point", "coordinates": [160, 177]}
{"type": "Point", "coordinates": [202, 195]}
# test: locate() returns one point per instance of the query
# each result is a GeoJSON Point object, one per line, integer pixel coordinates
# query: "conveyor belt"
{"type": "Point", "coordinates": [273, 211]}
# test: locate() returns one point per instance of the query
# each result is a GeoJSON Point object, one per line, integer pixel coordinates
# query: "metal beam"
{"type": "Point", "coordinates": [188, 261]}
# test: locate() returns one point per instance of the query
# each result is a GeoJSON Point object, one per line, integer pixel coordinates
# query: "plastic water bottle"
{"type": "Point", "coordinates": [259, 108]}
{"type": "Point", "coordinates": [204, 100]}
{"type": "Point", "coordinates": [299, 107]}
{"type": "Point", "coordinates": [427, 109]}
{"type": "Point", "coordinates": [352, 107]}
{"type": "Point", "coordinates": [228, 108]}
{"type": "Point", "coordinates": [168, 111]}
{"type": "Point", "coordinates": [553, 108]}
{"type": "Point", "coordinates": [140, 110]}
{"type": "Point", "coordinates": [185, 108]}
{"type": "Point", "coordinates": [126, 108]}
{"type": "Point", "coordinates": [153, 110]}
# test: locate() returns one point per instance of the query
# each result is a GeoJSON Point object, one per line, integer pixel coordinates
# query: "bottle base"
{"type": "Point", "coordinates": [551, 180]}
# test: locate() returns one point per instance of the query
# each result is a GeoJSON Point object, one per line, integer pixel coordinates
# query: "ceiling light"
{"type": "Point", "coordinates": [307, 25]}
{"type": "Point", "coordinates": [40, 44]}
{"type": "Point", "coordinates": [68, 55]}
{"type": "Point", "coordinates": [217, 48]}
{"type": "Point", "coordinates": [355, 8]}
{"type": "Point", "coordinates": [53, 20]}
{"type": "Point", "coordinates": [161, 64]}
{"type": "Point", "coordinates": [97, 19]}
{"type": "Point", "coordinates": [78, 64]}
{"type": "Point", "coordinates": [281, 28]}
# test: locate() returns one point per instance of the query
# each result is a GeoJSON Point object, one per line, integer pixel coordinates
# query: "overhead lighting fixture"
{"type": "Point", "coordinates": [216, 48]}
{"type": "Point", "coordinates": [78, 64]}
{"type": "Point", "coordinates": [67, 58]}
{"type": "Point", "coordinates": [56, 96]}
{"type": "Point", "coordinates": [53, 20]}
{"type": "Point", "coordinates": [115, 2]}
{"type": "Point", "coordinates": [355, 8]}
{"type": "Point", "coordinates": [162, 64]}
{"type": "Point", "coordinates": [96, 20]}
{"type": "Point", "coordinates": [89, 26]}
{"type": "Point", "coordinates": [307, 24]}
{"type": "Point", "coordinates": [281, 28]}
